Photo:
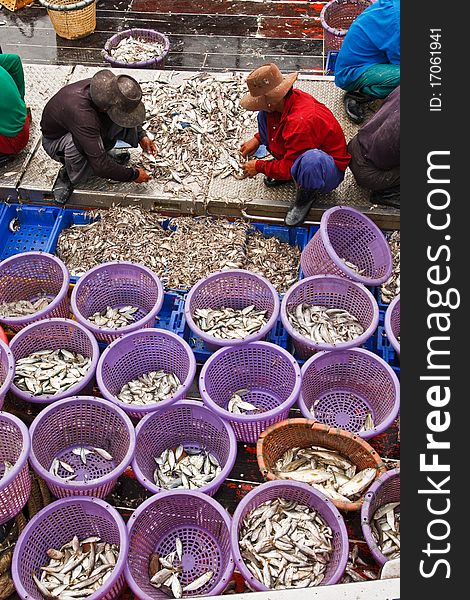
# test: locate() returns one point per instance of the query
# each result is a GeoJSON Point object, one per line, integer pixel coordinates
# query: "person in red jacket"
{"type": "Point", "coordinates": [303, 136]}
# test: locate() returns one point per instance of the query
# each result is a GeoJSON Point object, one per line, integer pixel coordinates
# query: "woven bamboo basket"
{"type": "Point", "coordinates": [14, 5]}
{"type": "Point", "coordinates": [72, 20]}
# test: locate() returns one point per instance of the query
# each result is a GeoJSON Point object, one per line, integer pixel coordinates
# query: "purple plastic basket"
{"type": "Point", "coordinates": [149, 35]}
{"type": "Point", "coordinates": [270, 373]}
{"type": "Point", "coordinates": [117, 284]}
{"type": "Point", "coordinates": [55, 525]}
{"type": "Point", "coordinates": [302, 494]}
{"type": "Point", "coordinates": [347, 384]}
{"type": "Point", "coordinates": [7, 370]}
{"type": "Point", "coordinates": [51, 334]}
{"type": "Point", "coordinates": [138, 353]}
{"type": "Point", "coordinates": [235, 289]}
{"type": "Point", "coordinates": [188, 423]}
{"type": "Point", "coordinates": [347, 233]}
{"type": "Point", "coordinates": [333, 292]}
{"type": "Point", "coordinates": [28, 276]}
{"type": "Point", "coordinates": [204, 529]}
{"type": "Point", "coordinates": [336, 18]}
{"type": "Point", "coordinates": [15, 446]}
{"type": "Point", "coordinates": [392, 323]}
{"type": "Point", "coordinates": [82, 421]}
{"type": "Point", "coordinates": [386, 489]}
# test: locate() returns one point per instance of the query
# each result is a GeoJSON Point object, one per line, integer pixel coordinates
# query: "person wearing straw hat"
{"type": "Point", "coordinates": [82, 123]}
{"type": "Point", "coordinates": [302, 135]}
{"type": "Point", "coordinates": [368, 63]}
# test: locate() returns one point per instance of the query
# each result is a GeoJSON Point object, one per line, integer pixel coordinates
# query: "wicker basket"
{"type": "Point", "coordinates": [15, 4]}
{"type": "Point", "coordinates": [303, 433]}
{"type": "Point", "coordinates": [72, 20]}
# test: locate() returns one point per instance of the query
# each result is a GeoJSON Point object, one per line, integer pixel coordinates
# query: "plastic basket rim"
{"type": "Point", "coordinates": [236, 521]}
{"type": "Point", "coordinates": [47, 399]}
{"type": "Point", "coordinates": [99, 481]}
{"type": "Point", "coordinates": [328, 430]}
{"type": "Point", "coordinates": [25, 450]}
{"type": "Point", "coordinates": [151, 315]}
{"type": "Point", "coordinates": [365, 524]}
{"type": "Point", "coordinates": [5, 386]}
{"type": "Point", "coordinates": [133, 519]}
{"type": "Point", "coordinates": [37, 316]}
{"type": "Point", "coordinates": [264, 416]}
{"type": "Point", "coordinates": [365, 435]}
{"type": "Point", "coordinates": [147, 408]}
{"type": "Point", "coordinates": [358, 341]}
{"type": "Point", "coordinates": [39, 517]}
{"type": "Point", "coordinates": [155, 489]}
{"type": "Point", "coordinates": [336, 32]}
{"type": "Point", "coordinates": [367, 281]}
{"type": "Point", "coordinates": [129, 33]}
{"type": "Point", "coordinates": [229, 343]}
{"type": "Point", "coordinates": [394, 305]}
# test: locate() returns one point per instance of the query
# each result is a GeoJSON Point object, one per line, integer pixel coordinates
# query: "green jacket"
{"type": "Point", "coordinates": [12, 105]}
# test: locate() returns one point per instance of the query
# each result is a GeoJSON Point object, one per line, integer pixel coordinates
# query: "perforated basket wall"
{"type": "Point", "coordinates": [204, 529]}
{"type": "Point", "coordinates": [82, 422]}
{"type": "Point", "coordinates": [336, 18]}
{"type": "Point", "coordinates": [30, 275]}
{"type": "Point", "coordinates": [386, 489]}
{"type": "Point", "coordinates": [235, 289]}
{"type": "Point", "coordinates": [345, 233]}
{"type": "Point", "coordinates": [302, 494]}
{"type": "Point", "coordinates": [303, 433]}
{"type": "Point", "coordinates": [7, 370]}
{"type": "Point", "coordinates": [57, 524]}
{"type": "Point", "coordinates": [52, 334]}
{"type": "Point", "coordinates": [148, 35]}
{"type": "Point", "coordinates": [333, 292]}
{"type": "Point", "coordinates": [141, 352]}
{"type": "Point", "coordinates": [271, 375]}
{"type": "Point", "coordinates": [117, 284]}
{"type": "Point", "coordinates": [190, 424]}
{"type": "Point", "coordinates": [392, 323]}
{"type": "Point", "coordinates": [15, 486]}
{"type": "Point", "coordinates": [347, 384]}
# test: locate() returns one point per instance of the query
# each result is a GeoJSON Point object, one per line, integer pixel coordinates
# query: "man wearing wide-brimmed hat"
{"type": "Point", "coordinates": [302, 135]}
{"type": "Point", "coordinates": [82, 123]}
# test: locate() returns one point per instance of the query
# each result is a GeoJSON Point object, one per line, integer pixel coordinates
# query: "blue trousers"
{"type": "Point", "coordinates": [312, 170]}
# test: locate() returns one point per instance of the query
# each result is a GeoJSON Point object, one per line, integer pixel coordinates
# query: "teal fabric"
{"type": "Point", "coordinates": [12, 90]}
{"type": "Point", "coordinates": [378, 81]}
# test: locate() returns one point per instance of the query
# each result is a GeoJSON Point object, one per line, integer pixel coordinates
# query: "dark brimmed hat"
{"type": "Point", "coordinates": [267, 87]}
{"type": "Point", "coordinates": [120, 96]}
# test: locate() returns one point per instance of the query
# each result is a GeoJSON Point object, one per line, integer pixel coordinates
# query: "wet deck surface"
{"type": "Point", "coordinates": [204, 34]}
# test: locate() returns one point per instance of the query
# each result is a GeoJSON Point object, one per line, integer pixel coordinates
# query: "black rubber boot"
{"type": "Point", "coordinates": [301, 207]}
{"type": "Point", "coordinates": [269, 182]}
{"type": "Point", "coordinates": [355, 104]}
{"type": "Point", "coordinates": [388, 197]}
{"type": "Point", "coordinates": [120, 156]}
{"type": "Point", "coordinates": [63, 187]}
{"type": "Point", "coordinates": [5, 159]}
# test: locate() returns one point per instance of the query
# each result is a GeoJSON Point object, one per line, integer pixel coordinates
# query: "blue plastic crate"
{"type": "Point", "coordinates": [36, 227]}
{"type": "Point", "coordinates": [383, 347]}
{"type": "Point", "coordinates": [331, 62]}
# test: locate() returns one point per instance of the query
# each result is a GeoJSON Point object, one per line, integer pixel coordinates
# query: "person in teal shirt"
{"type": "Point", "coordinates": [14, 120]}
{"type": "Point", "coordinates": [368, 64]}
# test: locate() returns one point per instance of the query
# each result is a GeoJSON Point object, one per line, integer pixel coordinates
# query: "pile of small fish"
{"type": "Point", "coordinates": [64, 470]}
{"type": "Point", "coordinates": [277, 261]}
{"type": "Point", "coordinates": [199, 125]}
{"type": "Point", "coordinates": [286, 545]}
{"type": "Point", "coordinates": [353, 267]}
{"type": "Point", "coordinates": [114, 318]}
{"type": "Point", "coordinates": [7, 468]}
{"type": "Point", "coordinates": [391, 287]}
{"type": "Point", "coordinates": [131, 50]}
{"type": "Point", "coordinates": [22, 308]}
{"type": "Point", "coordinates": [357, 569]}
{"type": "Point", "coordinates": [325, 470]}
{"type": "Point", "coordinates": [230, 323]}
{"type": "Point", "coordinates": [50, 371]}
{"type": "Point", "coordinates": [385, 526]}
{"type": "Point", "coordinates": [238, 406]}
{"type": "Point", "coordinates": [185, 468]}
{"type": "Point", "coordinates": [325, 325]}
{"type": "Point", "coordinates": [165, 573]}
{"type": "Point", "coordinates": [78, 569]}
{"type": "Point", "coordinates": [151, 387]}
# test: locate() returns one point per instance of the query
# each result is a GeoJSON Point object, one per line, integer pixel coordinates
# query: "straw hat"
{"type": "Point", "coordinates": [267, 87]}
{"type": "Point", "coordinates": [120, 96]}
